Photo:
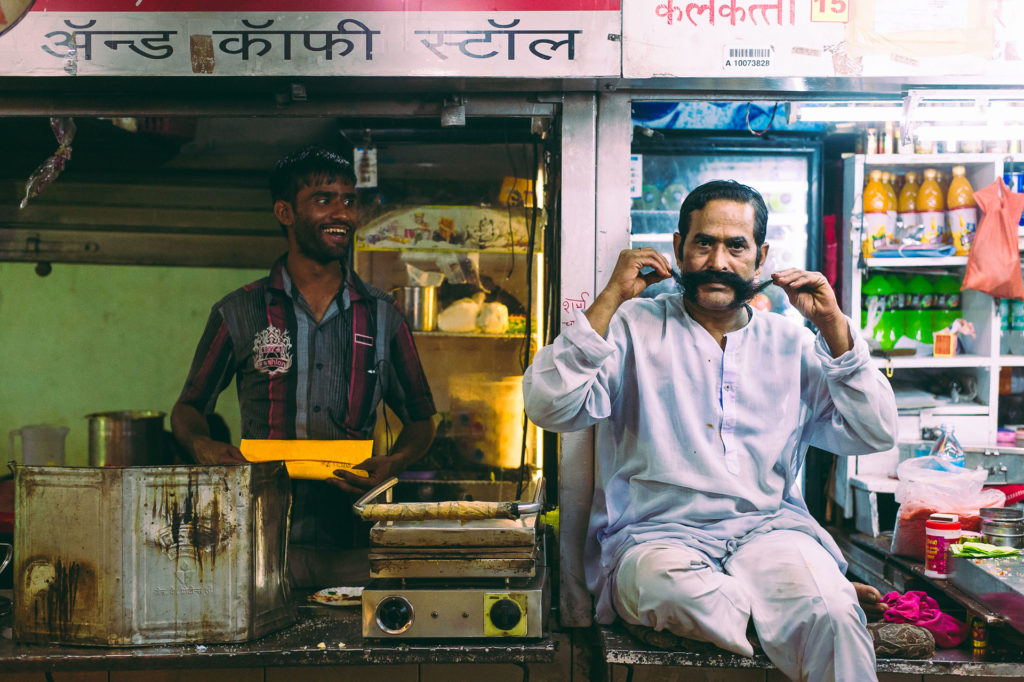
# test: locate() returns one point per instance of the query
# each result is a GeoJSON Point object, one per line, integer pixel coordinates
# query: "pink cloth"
{"type": "Point", "coordinates": [918, 608]}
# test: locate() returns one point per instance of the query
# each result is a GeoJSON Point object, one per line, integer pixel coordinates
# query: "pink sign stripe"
{"type": "Point", "coordinates": [283, 7]}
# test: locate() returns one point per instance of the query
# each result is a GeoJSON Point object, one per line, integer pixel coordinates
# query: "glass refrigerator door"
{"type": "Point", "coordinates": [782, 179]}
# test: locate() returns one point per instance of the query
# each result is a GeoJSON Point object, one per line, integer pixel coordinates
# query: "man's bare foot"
{"type": "Point", "coordinates": [870, 601]}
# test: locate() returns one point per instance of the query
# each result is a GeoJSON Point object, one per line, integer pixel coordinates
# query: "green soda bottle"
{"type": "Point", "coordinates": [876, 291]}
{"type": "Point", "coordinates": [947, 302]}
{"type": "Point", "coordinates": [919, 313]}
{"type": "Point", "coordinates": [897, 310]}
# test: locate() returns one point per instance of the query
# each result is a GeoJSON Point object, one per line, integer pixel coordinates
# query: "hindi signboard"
{"type": "Point", "coordinates": [497, 38]}
{"type": "Point", "coordinates": [822, 38]}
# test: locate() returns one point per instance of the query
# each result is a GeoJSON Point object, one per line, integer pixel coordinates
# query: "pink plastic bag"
{"type": "Point", "coordinates": [993, 265]}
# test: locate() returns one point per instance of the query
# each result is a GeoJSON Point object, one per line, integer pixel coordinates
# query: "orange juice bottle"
{"type": "Point", "coordinates": [876, 216]}
{"type": "Point", "coordinates": [890, 210]}
{"type": "Point", "coordinates": [906, 207]}
{"type": "Point", "coordinates": [961, 211]}
{"type": "Point", "coordinates": [932, 210]}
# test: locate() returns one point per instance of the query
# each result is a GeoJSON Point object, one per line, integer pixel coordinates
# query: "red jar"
{"type": "Point", "coordinates": [940, 531]}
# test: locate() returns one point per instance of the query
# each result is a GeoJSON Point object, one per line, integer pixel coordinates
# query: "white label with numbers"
{"type": "Point", "coordinates": [748, 58]}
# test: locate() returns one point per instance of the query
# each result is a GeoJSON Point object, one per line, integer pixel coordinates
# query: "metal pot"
{"type": "Point", "coordinates": [419, 305]}
{"type": "Point", "coordinates": [127, 438]}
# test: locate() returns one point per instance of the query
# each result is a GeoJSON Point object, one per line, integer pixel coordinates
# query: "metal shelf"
{"type": "Point", "coordinates": [935, 262]}
{"type": "Point", "coordinates": [927, 361]}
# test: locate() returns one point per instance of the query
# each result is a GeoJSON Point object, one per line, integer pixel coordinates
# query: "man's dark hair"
{"type": "Point", "coordinates": [729, 190]}
{"type": "Point", "coordinates": [307, 166]}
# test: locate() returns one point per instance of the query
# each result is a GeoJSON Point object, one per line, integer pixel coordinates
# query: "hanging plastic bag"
{"type": "Point", "coordinates": [64, 130]}
{"type": "Point", "coordinates": [993, 265]}
{"type": "Point", "coordinates": [931, 485]}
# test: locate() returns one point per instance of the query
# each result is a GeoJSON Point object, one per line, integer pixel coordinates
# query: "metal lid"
{"type": "Point", "coordinates": [1002, 513]}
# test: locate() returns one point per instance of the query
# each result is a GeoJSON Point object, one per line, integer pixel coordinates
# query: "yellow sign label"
{"type": "Point", "coordinates": [836, 11]}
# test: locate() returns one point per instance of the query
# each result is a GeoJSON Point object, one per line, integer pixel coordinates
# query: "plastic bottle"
{"type": "Point", "coordinates": [918, 318]}
{"type": "Point", "coordinates": [897, 311]}
{"type": "Point", "coordinates": [961, 211]}
{"type": "Point", "coordinates": [906, 205]}
{"type": "Point", "coordinates": [1005, 347]}
{"type": "Point", "coordinates": [946, 302]}
{"type": "Point", "coordinates": [932, 210]}
{"type": "Point", "coordinates": [876, 292]}
{"type": "Point", "coordinates": [891, 203]}
{"type": "Point", "coordinates": [1017, 327]}
{"type": "Point", "coordinates": [948, 447]}
{"type": "Point", "coordinates": [876, 217]}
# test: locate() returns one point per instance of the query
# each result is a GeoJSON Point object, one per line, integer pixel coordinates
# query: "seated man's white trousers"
{"type": "Point", "coordinates": [805, 612]}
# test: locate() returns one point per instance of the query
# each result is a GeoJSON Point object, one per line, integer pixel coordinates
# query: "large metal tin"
{"type": "Point", "coordinates": [120, 556]}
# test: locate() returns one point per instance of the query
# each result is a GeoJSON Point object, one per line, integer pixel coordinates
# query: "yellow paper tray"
{"type": "Point", "coordinates": [310, 459]}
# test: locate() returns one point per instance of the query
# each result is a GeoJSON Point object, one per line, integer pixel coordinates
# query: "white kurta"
{"type": "Point", "coordinates": [696, 444]}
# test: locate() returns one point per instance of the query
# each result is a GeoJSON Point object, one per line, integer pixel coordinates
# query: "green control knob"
{"type": "Point", "coordinates": [505, 614]}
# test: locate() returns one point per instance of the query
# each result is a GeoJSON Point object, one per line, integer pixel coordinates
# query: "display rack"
{"type": "Point", "coordinates": [976, 422]}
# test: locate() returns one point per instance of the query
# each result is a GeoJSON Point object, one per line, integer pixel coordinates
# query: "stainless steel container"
{"type": "Point", "coordinates": [419, 305]}
{"type": "Point", "coordinates": [121, 556]}
{"type": "Point", "coordinates": [1003, 533]}
{"type": "Point", "coordinates": [127, 438]}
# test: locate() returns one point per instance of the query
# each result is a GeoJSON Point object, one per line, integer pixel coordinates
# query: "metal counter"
{"type": "Point", "coordinates": [296, 645]}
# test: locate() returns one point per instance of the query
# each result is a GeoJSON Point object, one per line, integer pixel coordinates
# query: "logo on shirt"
{"type": "Point", "coordinates": [273, 351]}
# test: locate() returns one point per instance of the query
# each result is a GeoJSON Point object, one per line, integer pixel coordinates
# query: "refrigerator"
{"type": "Point", "coordinates": [786, 168]}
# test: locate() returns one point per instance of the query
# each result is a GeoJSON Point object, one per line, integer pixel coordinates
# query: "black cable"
{"type": "Point", "coordinates": [767, 127]}
{"type": "Point", "coordinates": [525, 667]}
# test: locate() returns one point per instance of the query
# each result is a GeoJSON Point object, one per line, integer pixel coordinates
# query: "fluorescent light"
{"type": "Point", "coordinates": [830, 113]}
{"type": "Point", "coordinates": [970, 133]}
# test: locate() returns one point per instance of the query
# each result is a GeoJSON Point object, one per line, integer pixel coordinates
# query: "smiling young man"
{"type": "Point", "coordinates": [704, 409]}
{"type": "Point", "coordinates": [313, 349]}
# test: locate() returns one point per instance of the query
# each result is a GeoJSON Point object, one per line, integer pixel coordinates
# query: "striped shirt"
{"type": "Point", "coordinates": [298, 378]}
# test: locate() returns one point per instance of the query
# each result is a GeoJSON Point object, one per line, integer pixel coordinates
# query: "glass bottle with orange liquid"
{"type": "Point", "coordinates": [961, 211]}
{"type": "Point", "coordinates": [906, 206]}
{"type": "Point", "coordinates": [890, 210]}
{"type": "Point", "coordinates": [932, 210]}
{"type": "Point", "coordinates": [876, 216]}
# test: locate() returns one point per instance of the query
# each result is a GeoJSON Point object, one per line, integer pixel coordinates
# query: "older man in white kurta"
{"type": "Point", "coordinates": [704, 409]}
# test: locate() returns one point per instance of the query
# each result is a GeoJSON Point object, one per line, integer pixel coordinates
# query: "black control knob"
{"type": "Point", "coordinates": [394, 615]}
{"type": "Point", "coordinates": [506, 614]}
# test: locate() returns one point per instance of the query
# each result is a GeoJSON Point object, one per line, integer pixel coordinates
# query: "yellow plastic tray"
{"type": "Point", "coordinates": [310, 459]}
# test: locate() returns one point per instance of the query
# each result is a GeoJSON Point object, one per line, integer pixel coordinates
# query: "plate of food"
{"type": "Point", "coordinates": [341, 596]}
{"type": "Point", "coordinates": [338, 596]}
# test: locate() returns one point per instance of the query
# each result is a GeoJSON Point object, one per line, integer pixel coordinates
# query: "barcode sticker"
{"type": "Point", "coordinates": [744, 58]}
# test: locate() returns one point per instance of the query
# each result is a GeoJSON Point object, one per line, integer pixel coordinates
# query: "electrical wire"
{"type": "Point", "coordinates": [767, 127]}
